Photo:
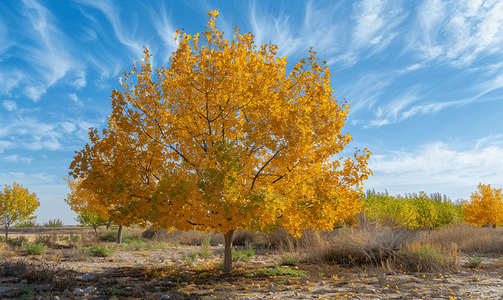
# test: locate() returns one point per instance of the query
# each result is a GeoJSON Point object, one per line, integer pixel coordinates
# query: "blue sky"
{"type": "Point", "coordinates": [424, 80]}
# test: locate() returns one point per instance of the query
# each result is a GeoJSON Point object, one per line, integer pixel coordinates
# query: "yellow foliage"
{"type": "Point", "coordinates": [16, 205]}
{"type": "Point", "coordinates": [224, 139]}
{"type": "Point", "coordinates": [485, 207]}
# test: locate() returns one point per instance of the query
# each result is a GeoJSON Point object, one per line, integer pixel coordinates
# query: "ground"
{"type": "Point", "coordinates": [166, 274]}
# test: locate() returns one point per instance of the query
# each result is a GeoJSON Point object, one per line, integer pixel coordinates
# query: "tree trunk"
{"type": "Point", "coordinates": [119, 235]}
{"type": "Point", "coordinates": [228, 252]}
{"type": "Point", "coordinates": [6, 233]}
{"type": "Point", "coordinates": [95, 231]}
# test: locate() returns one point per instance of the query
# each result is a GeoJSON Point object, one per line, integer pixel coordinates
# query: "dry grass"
{"type": "Point", "coordinates": [188, 238]}
{"type": "Point", "coordinates": [469, 239]}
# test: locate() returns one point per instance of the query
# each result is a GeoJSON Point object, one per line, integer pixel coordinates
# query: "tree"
{"type": "Point", "coordinates": [485, 207]}
{"type": "Point", "coordinates": [91, 218]}
{"type": "Point", "coordinates": [16, 205]}
{"type": "Point", "coordinates": [224, 139]}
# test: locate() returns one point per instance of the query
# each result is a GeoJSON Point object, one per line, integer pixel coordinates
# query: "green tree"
{"type": "Point", "coordinates": [91, 218]}
{"type": "Point", "coordinates": [16, 205]}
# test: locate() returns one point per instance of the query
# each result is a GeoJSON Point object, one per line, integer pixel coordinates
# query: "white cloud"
{"type": "Point", "coordinates": [11, 158]}
{"type": "Point", "coordinates": [347, 59]}
{"type": "Point", "coordinates": [276, 30]}
{"type": "Point", "coordinates": [15, 158]}
{"type": "Point", "coordinates": [68, 127]}
{"type": "Point", "coordinates": [5, 145]}
{"type": "Point", "coordinates": [49, 55]}
{"type": "Point", "coordinates": [9, 105]}
{"type": "Point", "coordinates": [80, 82]}
{"type": "Point", "coordinates": [34, 92]}
{"type": "Point", "coordinates": [458, 32]}
{"type": "Point", "coordinates": [165, 30]}
{"type": "Point", "coordinates": [124, 36]}
{"type": "Point", "coordinates": [439, 165]}
{"type": "Point", "coordinates": [376, 21]}
{"type": "Point", "coordinates": [28, 179]}
{"type": "Point", "coordinates": [9, 81]}
{"type": "Point", "coordinates": [75, 99]}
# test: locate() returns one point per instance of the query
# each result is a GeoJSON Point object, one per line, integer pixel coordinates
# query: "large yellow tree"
{"type": "Point", "coordinates": [225, 139]}
{"type": "Point", "coordinates": [485, 207]}
{"type": "Point", "coordinates": [16, 205]}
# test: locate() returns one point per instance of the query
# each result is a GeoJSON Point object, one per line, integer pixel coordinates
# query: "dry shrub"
{"type": "Point", "coordinates": [46, 239]}
{"type": "Point", "coordinates": [189, 238]}
{"type": "Point", "coordinates": [74, 255]}
{"type": "Point", "coordinates": [424, 256]}
{"type": "Point", "coordinates": [246, 239]}
{"type": "Point", "coordinates": [469, 239]}
{"type": "Point", "coordinates": [369, 244]}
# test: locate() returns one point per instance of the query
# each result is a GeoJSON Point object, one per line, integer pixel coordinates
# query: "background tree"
{"type": "Point", "coordinates": [16, 205]}
{"type": "Point", "coordinates": [91, 218]}
{"type": "Point", "coordinates": [485, 207]}
{"type": "Point", "coordinates": [224, 139]}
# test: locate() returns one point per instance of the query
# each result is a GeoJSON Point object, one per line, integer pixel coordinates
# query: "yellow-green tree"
{"type": "Point", "coordinates": [485, 207]}
{"type": "Point", "coordinates": [225, 139]}
{"type": "Point", "coordinates": [16, 205]}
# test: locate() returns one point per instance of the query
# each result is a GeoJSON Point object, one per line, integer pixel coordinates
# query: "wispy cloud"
{"type": "Point", "coordinates": [81, 81]}
{"type": "Point", "coordinates": [75, 99]}
{"type": "Point", "coordinates": [365, 90]}
{"type": "Point", "coordinates": [9, 81]}
{"type": "Point", "coordinates": [125, 36]}
{"type": "Point", "coordinates": [9, 105]}
{"type": "Point", "coordinates": [458, 32]}
{"type": "Point", "coordinates": [5, 145]}
{"type": "Point", "coordinates": [34, 92]}
{"type": "Point", "coordinates": [15, 158]}
{"type": "Point", "coordinates": [49, 56]}
{"type": "Point", "coordinates": [273, 29]}
{"type": "Point", "coordinates": [165, 29]}
{"type": "Point", "coordinates": [440, 164]}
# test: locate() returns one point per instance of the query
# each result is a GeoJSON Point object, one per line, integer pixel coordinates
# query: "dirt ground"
{"type": "Point", "coordinates": [165, 274]}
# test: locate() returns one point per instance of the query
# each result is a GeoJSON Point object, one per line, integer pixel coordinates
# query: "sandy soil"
{"type": "Point", "coordinates": [157, 274]}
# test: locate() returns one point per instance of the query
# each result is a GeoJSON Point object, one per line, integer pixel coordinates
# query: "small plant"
{"type": "Point", "coordinates": [279, 271]}
{"type": "Point", "coordinates": [101, 251]}
{"type": "Point", "coordinates": [74, 239]}
{"type": "Point", "coordinates": [30, 293]}
{"type": "Point", "coordinates": [205, 253]}
{"type": "Point", "coordinates": [248, 275]}
{"type": "Point", "coordinates": [245, 255]}
{"type": "Point", "coordinates": [184, 255]}
{"type": "Point", "coordinates": [34, 248]}
{"type": "Point", "coordinates": [193, 255]}
{"type": "Point", "coordinates": [474, 261]}
{"type": "Point", "coordinates": [321, 275]}
{"type": "Point", "coordinates": [177, 244]}
{"type": "Point", "coordinates": [54, 223]}
{"type": "Point", "coordinates": [289, 261]}
{"type": "Point", "coordinates": [190, 262]}
{"type": "Point", "coordinates": [27, 223]}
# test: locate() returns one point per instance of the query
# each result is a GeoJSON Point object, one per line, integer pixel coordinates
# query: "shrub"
{"type": "Point", "coordinates": [101, 251]}
{"type": "Point", "coordinates": [34, 248]}
{"type": "Point", "coordinates": [27, 223]}
{"type": "Point", "coordinates": [245, 255]}
{"type": "Point", "coordinates": [474, 261]}
{"type": "Point", "coordinates": [54, 223]}
{"type": "Point", "coordinates": [427, 257]}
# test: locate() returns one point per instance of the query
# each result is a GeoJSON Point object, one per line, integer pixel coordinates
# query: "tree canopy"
{"type": "Point", "coordinates": [225, 139]}
{"type": "Point", "coordinates": [485, 206]}
{"type": "Point", "coordinates": [16, 205]}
